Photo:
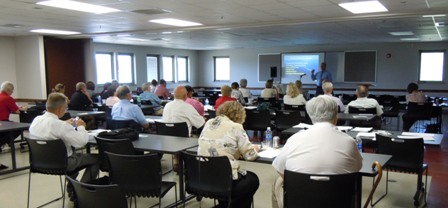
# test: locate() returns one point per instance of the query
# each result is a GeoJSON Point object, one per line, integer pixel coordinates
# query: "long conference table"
{"type": "Point", "coordinates": [10, 128]}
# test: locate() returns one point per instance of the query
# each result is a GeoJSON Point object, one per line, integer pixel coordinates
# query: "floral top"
{"type": "Point", "coordinates": [223, 137]}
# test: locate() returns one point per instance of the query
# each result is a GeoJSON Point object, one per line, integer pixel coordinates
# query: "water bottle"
{"type": "Point", "coordinates": [268, 135]}
{"type": "Point", "coordinates": [139, 101]}
{"type": "Point", "coordinates": [99, 99]}
{"type": "Point", "coordinates": [207, 102]}
{"type": "Point", "coordinates": [359, 143]}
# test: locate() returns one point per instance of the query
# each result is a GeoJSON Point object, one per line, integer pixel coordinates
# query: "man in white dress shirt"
{"type": "Point", "coordinates": [49, 127]}
{"type": "Point", "coordinates": [328, 89]}
{"type": "Point", "coordinates": [363, 102]}
{"type": "Point", "coordinates": [321, 149]}
{"type": "Point", "coordinates": [180, 111]}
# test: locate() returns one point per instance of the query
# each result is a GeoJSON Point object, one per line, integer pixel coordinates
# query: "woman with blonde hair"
{"type": "Point", "coordinates": [224, 135]}
{"type": "Point", "coordinates": [293, 96]}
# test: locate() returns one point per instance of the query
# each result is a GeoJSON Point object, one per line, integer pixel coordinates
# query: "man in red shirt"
{"type": "Point", "coordinates": [226, 91]}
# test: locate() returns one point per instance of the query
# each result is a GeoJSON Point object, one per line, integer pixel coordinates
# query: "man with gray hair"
{"type": "Point", "coordinates": [153, 98]}
{"type": "Point", "coordinates": [328, 90]}
{"type": "Point", "coordinates": [363, 101]}
{"type": "Point", "coordinates": [80, 99]}
{"type": "Point", "coordinates": [321, 149]}
{"type": "Point", "coordinates": [125, 110]}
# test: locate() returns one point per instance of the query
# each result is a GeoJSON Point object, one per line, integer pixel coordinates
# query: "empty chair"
{"type": "Point", "coordinates": [121, 124]}
{"type": "Point", "coordinates": [272, 101]}
{"type": "Point", "coordinates": [257, 120]}
{"type": "Point", "coordinates": [375, 122]}
{"type": "Point", "coordinates": [139, 176]}
{"type": "Point", "coordinates": [211, 114]}
{"type": "Point", "coordinates": [117, 146]}
{"type": "Point", "coordinates": [391, 107]}
{"type": "Point", "coordinates": [172, 129]}
{"type": "Point", "coordinates": [286, 119]}
{"type": "Point", "coordinates": [92, 196]}
{"type": "Point", "coordinates": [408, 157]}
{"type": "Point", "coordinates": [416, 112]}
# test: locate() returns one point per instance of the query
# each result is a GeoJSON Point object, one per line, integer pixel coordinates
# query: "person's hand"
{"type": "Point", "coordinates": [80, 122]}
{"type": "Point", "coordinates": [257, 147]}
{"type": "Point", "coordinates": [69, 121]}
{"type": "Point", "coordinates": [23, 107]}
{"type": "Point", "coordinates": [312, 71]}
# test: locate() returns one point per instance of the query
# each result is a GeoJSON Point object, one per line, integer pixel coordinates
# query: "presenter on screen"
{"type": "Point", "coordinates": [322, 76]}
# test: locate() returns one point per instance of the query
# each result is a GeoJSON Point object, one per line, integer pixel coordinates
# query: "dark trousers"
{"type": "Point", "coordinates": [79, 161]}
{"type": "Point", "coordinates": [408, 121]}
{"type": "Point", "coordinates": [319, 91]}
{"type": "Point", "coordinates": [5, 137]}
{"type": "Point", "coordinates": [243, 191]}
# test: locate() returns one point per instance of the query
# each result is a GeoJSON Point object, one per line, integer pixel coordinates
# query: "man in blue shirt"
{"type": "Point", "coordinates": [322, 76]}
{"type": "Point", "coordinates": [155, 100]}
{"type": "Point", "coordinates": [125, 110]}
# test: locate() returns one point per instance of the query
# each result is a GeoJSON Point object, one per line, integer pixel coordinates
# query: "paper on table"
{"type": "Point", "coordinates": [362, 129]}
{"type": "Point", "coordinates": [250, 107]}
{"type": "Point", "coordinates": [344, 128]}
{"type": "Point", "coordinates": [302, 126]}
{"type": "Point", "coordinates": [365, 135]}
{"type": "Point", "coordinates": [425, 136]}
{"type": "Point", "coordinates": [269, 153]}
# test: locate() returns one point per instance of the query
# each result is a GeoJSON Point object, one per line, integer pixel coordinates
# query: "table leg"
{"type": "Point", "coordinates": [13, 150]}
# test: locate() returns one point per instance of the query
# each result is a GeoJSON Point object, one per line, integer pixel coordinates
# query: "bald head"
{"type": "Point", "coordinates": [362, 91]}
{"type": "Point", "coordinates": [180, 92]}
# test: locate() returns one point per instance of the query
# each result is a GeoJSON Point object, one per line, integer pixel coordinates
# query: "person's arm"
{"type": "Point", "coordinates": [75, 137]}
{"type": "Point", "coordinates": [156, 99]}
{"type": "Point", "coordinates": [313, 76]}
{"type": "Point", "coordinates": [379, 110]}
{"type": "Point", "coordinates": [138, 113]}
{"type": "Point", "coordinates": [195, 119]}
{"type": "Point", "coordinates": [246, 149]}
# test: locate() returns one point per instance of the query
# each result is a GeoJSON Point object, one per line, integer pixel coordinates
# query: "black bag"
{"type": "Point", "coordinates": [128, 133]}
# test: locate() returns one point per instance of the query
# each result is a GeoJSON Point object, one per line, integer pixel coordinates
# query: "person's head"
{"type": "Point", "coordinates": [293, 91]}
{"type": "Point", "coordinates": [107, 85]}
{"type": "Point", "coordinates": [362, 91]}
{"type": "Point", "coordinates": [59, 87]}
{"type": "Point", "coordinates": [323, 66]}
{"type": "Point", "coordinates": [226, 90]}
{"type": "Point", "coordinates": [190, 91]}
{"type": "Point", "coordinates": [327, 87]}
{"type": "Point", "coordinates": [146, 87]}
{"type": "Point", "coordinates": [111, 91]}
{"type": "Point", "coordinates": [7, 87]}
{"type": "Point", "coordinates": [115, 83]}
{"type": "Point", "coordinates": [243, 83]}
{"type": "Point", "coordinates": [57, 104]}
{"type": "Point", "coordinates": [124, 92]}
{"type": "Point", "coordinates": [154, 82]}
{"type": "Point", "coordinates": [81, 86]}
{"type": "Point", "coordinates": [269, 83]}
{"type": "Point", "coordinates": [180, 93]}
{"type": "Point", "coordinates": [412, 87]}
{"type": "Point", "coordinates": [235, 85]}
{"type": "Point", "coordinates": [162, 82]}
{"type": "Point", "coordinates": [90, 85]}
{"type": "Point", "coordinates": [299, 84]}
{"type": "Point", "coordinates": [322, 109]}
{"type": "Point", "coordinates": [233, 110]}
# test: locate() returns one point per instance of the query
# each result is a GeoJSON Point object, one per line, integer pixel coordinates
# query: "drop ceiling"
{"type": "Point", "coordinates": [231, 23]}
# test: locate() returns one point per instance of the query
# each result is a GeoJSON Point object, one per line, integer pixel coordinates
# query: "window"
{"type": "Point", "coordinates": [431, 66]}
{"type": "Point", "coordinates": [182, 69]}
{"type": "Point", "coordinates": [167, 68]}
{"type": "Point", "coordinates": [104, 67]}
{"type": "Point", "coordinates": [125, 68]}
{"type": "Point", "coordinates": [222, 68]}
{"type": "Point", "coordinates": [152, 63]}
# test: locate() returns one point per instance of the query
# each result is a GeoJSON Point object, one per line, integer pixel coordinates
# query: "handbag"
{"type": "Point", "coordinates": [126, 133]}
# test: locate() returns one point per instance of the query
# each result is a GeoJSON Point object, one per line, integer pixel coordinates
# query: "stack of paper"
{"type": "Point", "coordinates": [364, 135]}
{"type": "Point", "coordinates": [362, 129]}
{"type": "Point", "coordinates": [344, 128]}
{"type": "Point", "coordinates": [302, 126]}
{"type": "Point", "coordinates": [250, 107]}
{"type": "Point", "coordinates": [425, 136]}
{"type": "Point", "coordinates": [269, 153]}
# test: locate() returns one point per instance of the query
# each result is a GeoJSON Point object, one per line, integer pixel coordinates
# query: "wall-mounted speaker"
{"type": "Point", "coordinates": [273, 71]}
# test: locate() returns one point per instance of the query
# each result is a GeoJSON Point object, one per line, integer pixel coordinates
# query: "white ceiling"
{"type": "Point", "coordinates": [232, 23]}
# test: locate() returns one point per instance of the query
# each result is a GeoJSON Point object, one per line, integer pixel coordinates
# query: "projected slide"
{"type": "Point", "coordinates": [296, 64]}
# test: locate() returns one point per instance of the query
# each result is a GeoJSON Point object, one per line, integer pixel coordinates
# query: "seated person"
{"type": "Point", "coordinates": [104, 94]}
{"type": "Point", "coordinates": [226, 92]}
{"type": "Point", "coordinates": [363, 102]}
{"type": "Point", "coordinates": [293, 96]}
{"type": "Point", "coordinates": [244, 90]}
{"type": "Point", "coordinates": [327, 87]}
{"type": "Point", "coordinates": [178, 110]}
{"type": "Point", "coordinates": [414, 95]}
{"type": "Point", "coordinates": [112, 99]}
{"type": "Point", "coordinates": [301, 90]}
{"type": "Point", "coordinates": [194, 102]}
{"type": "Point", "coordinates": [154, 84]}
{"type": "Point", "coordinates": [224, 135]}
{"type": "Point", "coordinates": [80, 100]}
{"type": "Point", "coordinates": [236, 93]}
{"type": "Point", "coordinates": [148, 95]}
{"type": "Point", "coordinates": [125, 110]}
{"type": "Point", "coordinates": [49, 127]}
{"type": "Point", "coordinates": [161, 90]}
{"type": "Point", "coordinates": [321, 149]}
{"type": "Point", "coordinates": [90, 88]}
{"type": "Point", "coordinates": [269, 91]}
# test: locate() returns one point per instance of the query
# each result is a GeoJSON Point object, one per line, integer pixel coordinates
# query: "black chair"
{"type": "Point", "coordinates": [418, 112]}
{"type": "Point", "coordinates": [272, 102]}
{"type": "Point", "coordinates": [375, 122]}
{"type": "Point", "coordinates": [146, 102]}
{"type": "Point", "coordinates": [301, 109]}
{"type": "Point", "coordinates": [286, 119]}
{"type": "Point", "coordinates": [211, 114]}
{"type": "Point", "coordinates": [391, 106]}
{"type": "Point", "coordinates": [209, 177]}
{"type": "Point", "coordinates": [139, 176]}
{"type": "Point", "coordinates": [408, 157]}
{"type": "Point", "coordinates": [257, 120]}
{"type": "Point", "coordinates": [121, 124]}
{"type": "Point", "coordinates": [29, 115]}
{"type": "Point", "coordinates": [92, 196]}
{"type": "Point", "coordinates": [117, 146]}
{"type": "Point", "coordinates": [48, 157]}
{"type": "Point", "coordinates": [172, 129]}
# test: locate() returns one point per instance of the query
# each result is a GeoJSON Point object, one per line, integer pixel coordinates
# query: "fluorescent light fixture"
{"type": "Point", "coordinates": [436, 15]}
{"type": "Point", "coordinates": [164, 33]}
{"type": "Point", "coordinates": [409, 39]}
{"type": "Point", "coordinates": [78, 6]}
{"type": "Point", "coordinates": [56, 32]}
{"type": "Point", "coordinates": [363, 7]}
{"type": "Point", "coordinates": [136, 39]}
{"type": "Point", "coordinates": [401, 33]}
{"type": "Point", "coordinates": [439, 24]}
{"type": "Point", "coordinates": [175, 22]}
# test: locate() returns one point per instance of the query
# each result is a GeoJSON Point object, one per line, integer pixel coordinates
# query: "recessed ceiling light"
{"type": "Point", "coordinates": [78, 6]}
{"type": "Point", "coordinates": [436, 15]}
{"type": "Point", "coordinates": [363, 7]}
{"type": "Point", "coordinates": [175, 22]}
{"type": "Point", "coordinates": [401, 33]}
{"type": "Point", "coordinates": [56, 32]}
{"type": "Point", "coordinates": [409, 39]}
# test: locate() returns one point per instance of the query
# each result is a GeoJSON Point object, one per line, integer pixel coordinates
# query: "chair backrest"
{"type": "Point", "coordinates": [137, 175]}
{"type": "Point", "coordinates": [352, 109]}
{"type": "Point", "coordinates": [419, 109]}
{"type": "Point", "coordinates": [294, 107]}
{"type": "Point", "coordinates": [314, 190]}
{"type": "Point", "coordinates": [146, 102]}
{"type": "Point", "coordinates": [286, 119]}
{"type": "Point", "coordinates": [172, 129]}
{"type": "Point", "coordinates": [272, 101]}
{"type": "Point", "coordinates": [66, 116]}
{"type": "Point", "coordinates": [117, 146]}
{"type": "Point", "coordinates": [211, 114]}
{"type": "Point", "coordinates": [92, 196]}
{"type": "Point", "coordinates": [29, 115]}
{"type": "Point", "coordinates": [407, 154]}
{"type": "Point", "coordinates": [122, 124]}
{"type": "Point", "coordinates": [208, 176]}
{"type": "Point", "coordinates": [107, 110]}
{"type": "Point", "coordinates": [257, 120]}
{"type": "Point", "coordinates": [48, 156]}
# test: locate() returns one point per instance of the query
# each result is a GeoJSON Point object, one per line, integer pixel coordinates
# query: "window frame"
{"type": "Point", "coordinates": [443, 67]}
{"type": "Point", "coordinates": [214, 68]}
{"type": "Point", "coordinates": [158, 61]}
{"type": "Point", "coordinates": [112, 64]}
{"type": "Point", "coordinates": [132, 68]}
{"type": "Point", "coordinates": [187, 69]}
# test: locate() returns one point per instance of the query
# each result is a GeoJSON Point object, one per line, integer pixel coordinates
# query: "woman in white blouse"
{"type": "Point", "coordinates": [293, 96]}
{"type": "Point", "coordinates": [269, 91]}
{"type": "Point", "coordinates": [224, 135]}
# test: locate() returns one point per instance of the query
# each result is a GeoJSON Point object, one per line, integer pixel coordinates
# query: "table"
{"type": "Point", "coordinates": [165, 144]}
{"type": "Point", "coordinates": [355, 117]}
{"type": "Point", "coordinates": [153, 119]}
{"type": "Point", "coordinates": [75, 113]}
{"type": "Point", "coordinates": [9, 127]}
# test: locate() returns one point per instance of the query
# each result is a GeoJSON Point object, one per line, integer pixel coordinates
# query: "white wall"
{"type": "Point", "coordinates": [8, 62]}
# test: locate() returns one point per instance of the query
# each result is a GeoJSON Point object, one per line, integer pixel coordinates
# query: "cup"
{"type": "Point", "coordinates": [95, 109]}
